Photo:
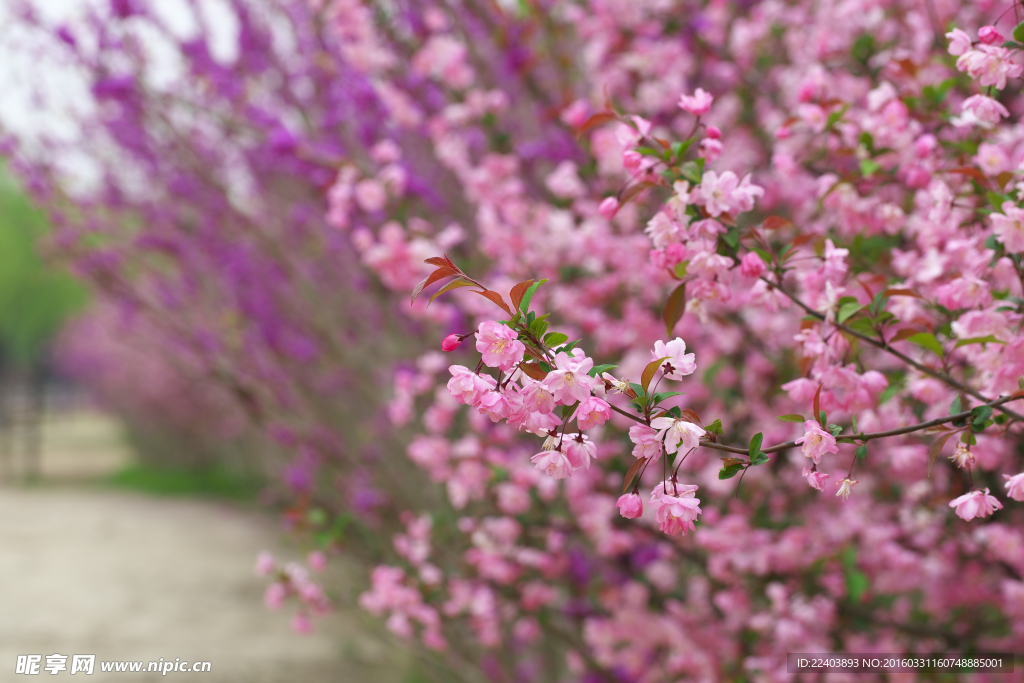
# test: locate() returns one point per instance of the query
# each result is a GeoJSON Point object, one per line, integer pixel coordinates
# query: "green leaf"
{"type": "Point", "coordinates": [835, 430]}
{"type": "Point", "coordinates": [524, 305]}
{"type": "Point", "coordinates": [847, 311]}
{"type": "Point", "coordinates": [545, 367]}
{"type": "Point", "coordinates": [989, 339]}
{"type": "Point", "coordinates": [730, 471]}
{"type": "Point", "coordinates": [822, 418]}
{"type": "Point", "coordinates": [889, 392]}
{"type": "Point", "coordinates": [715, 428]}
{"type": "Point", "coordinates": [868, 167]}
{"type": "Point", "coordinates": [567, 410]}
{"type": "Point", "coordinates": [1018, 32]}
{"type": "Point", "coordinates": [862, 452]}
{"type": "Point", "coordinates": [691, 171]}
{"type": "Point", "coordinates": [755, 445]}
{"type": "Point", "coordinates": [954, 407]}
{"type": "Point", "coordinates": [662, 395]}
{"type": "Point", "coordinates": [567, 349]}
{"type": "Point", "coordinates": [792, 417]}
{"type": "Point", "coordinates": [928, 341]}
{"type": "Point", "coordinates": [759, 459]}
{"type": "Point", "coordinates": [555, 338]}
{"type": "Point", "coordinates": [637, 389]}
{"type": "Point", "coordinates": [598, 369]}
{"type": "Point", "coordinates": [539, 327]}
{"type": "Point", "coordinates": [680, 269]}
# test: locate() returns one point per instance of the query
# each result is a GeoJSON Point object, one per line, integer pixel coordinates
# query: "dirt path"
{"type": "Point", "coordinates": [88, 570]}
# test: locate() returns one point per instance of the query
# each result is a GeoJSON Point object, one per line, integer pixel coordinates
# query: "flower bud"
{"type": "Point", "coordinates": [451, 342]}
{"type": "Point", "coordinates": [608, 207]}
{"type": "Point", "coordinates": [630, 506]}
{"type": "Point", "coordinates": [714, 132]}
{"type": "Point", "coordinates": [989, 35]}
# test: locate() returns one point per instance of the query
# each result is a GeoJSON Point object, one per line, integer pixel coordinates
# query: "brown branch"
{"type": "Point", "coordinates": [883, 345]}
{"type": "Point", "coordinates": [870, 435]}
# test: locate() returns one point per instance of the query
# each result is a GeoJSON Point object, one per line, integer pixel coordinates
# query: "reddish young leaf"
{"type": "Point", "coordinates": [905, 333]}
{"type": "Point", "coordinates": [650, 370]}
{"type": "Point", "coordinates": [817, 407]}
{"type": "Point", "coordinates": [437, 261]}
{"type": "Point", "coordinates": [675, 306]}
{"type": "Point", "coordinates": [533, 370]}
{"type": "Point", "coordinates": [665, 144]}
{"type": "Point", "coordinates": [597, 119]}
{"type": "Point", "coordinates": [691, 415]}
{"type": "Point", "coordinates": [438, 274]}
{"type": "Point", "coordinates": [496, 298]}
{"type": "Point", "coordinates": [936, 448]}
{"type": "Point", "coordinates": [454, 284]}
{"type": "Point", "coordinates": [974, 173]}
{"type": "Point", "coordinates": [633, 190]}
{"type": "Point", "coordinates": [902, 292]}
{"type": "Point", "coordinates": [775, 222]}
{"type": "Point", "coordinates": [631, 473]}
{"type": "Point", "coordinates": [518, 291]}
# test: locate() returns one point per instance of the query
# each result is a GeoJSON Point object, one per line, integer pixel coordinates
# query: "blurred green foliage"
{"type": "Point", "coordinates": [35, 298]}
{"type": "Point", "coordinates": [212, 482]}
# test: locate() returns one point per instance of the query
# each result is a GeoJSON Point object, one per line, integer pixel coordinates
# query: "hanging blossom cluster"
{"type": "Point", "coordinates": [823, 204]}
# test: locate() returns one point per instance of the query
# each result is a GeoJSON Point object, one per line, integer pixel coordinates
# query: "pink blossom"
{"type": "Point", "coordinates": [752, 265]}
{"type": "Point", "coordinates": [984, 109]}
{"type": "Point", "coordinates": [608, 207]}
{"type": "Point", "coordinates": [679, 434]}
{"type": "Point", "coordinates": [678, 363]}
{"type": "Point", "coordinates": [493, 404]}
{"type": "Point", "coordinates": [264, 564]}
{"type": "Point", "coordinates": [301, 623]}
{"type": "Point", "coordinates": [845, 488]}
{"type": "Point", "coordinates": [316, 560]}
{"type": "Point", "coordinates": [537, 397]}
{"type": "Point", "coordinates": [499, 345]}
{"type": "Point", "coordinates": [725, 193]}
{"type": "Point", "coordinates": [564, 182]}
{"type": "Point", "coordinates": [450, 343]}
{"type": "Point", "coordinates": [989, 35]}
{"type": "Point", "coordinates": [713, 132]}
{"type": "Point", "coordinates": [274, 595]}
{"type": "Point", "coordinates": [1015, 486]}
{"type": "Point", "coordinates": [989, 65]}
{"type": "Point", "coordinates": [579, 449]}
{"type": "Point", "coordinates": [975, 504]}
{"type": "Point", "coordinates": [647, 440]}
{"type": "Point", "coordinates": [698, 104]}
{"type": "Point", "coordinates": [675, 507]}
{"type": "Point", "coordinates": [711, 149]}
{"type": "Point", "coordinates": [815, 479]}
{"type": "Point", "coordinates": [964, 292]}
{"type": "Point", "coordinates": [674, 253]}
{"type": "Point", "coordinates": [816, 441]}
{"type": "Point", "coordinates": [992, 159]}
{"type": "Point", "coordinates": [465, 385]}
{"type": "Point", "coordinates": [569, 379]}
{"type": "Point", "coordinates": [962, 456]}
{"type": "Point", "coordinates": [663, 230]}
{"type": "Point", "coordinates": [553, 463]}
{"type": "Point", "coordinates": [1009, 227]}
{"type": "Point", "coordinates": [591, 413]}
{"type": "Point", "coordinates": [630, 505]}
{"type": "Point", "coordinates": [959, 42]}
